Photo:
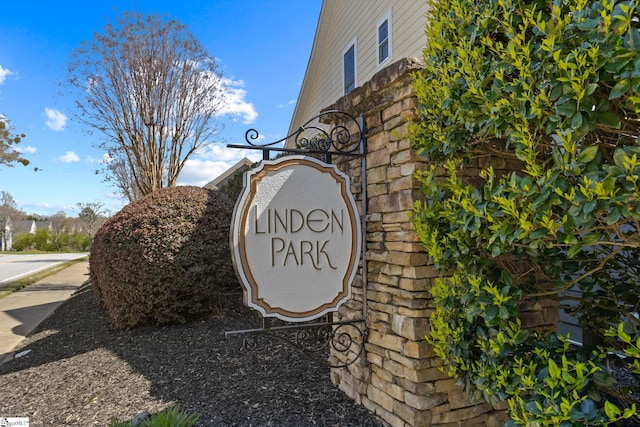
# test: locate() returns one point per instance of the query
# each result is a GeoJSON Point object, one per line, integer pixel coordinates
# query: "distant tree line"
{"type": "Point", "coordinates": [53, 233]}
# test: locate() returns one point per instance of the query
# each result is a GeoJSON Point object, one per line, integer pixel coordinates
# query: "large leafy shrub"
{"type": "Point", "coordinates": [23, 241]}
{"type": "Point", "coordinates": [549, 90]}
{"type": "Point", "coordinates": [46, 240]}
{"type": "Point", "coordinates": [164, 258]}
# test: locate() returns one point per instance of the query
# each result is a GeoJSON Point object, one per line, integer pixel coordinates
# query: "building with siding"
{"type": "Point", "coordinates": [354, 40]}
{"type": "Point", "coordinates": [225, 177]}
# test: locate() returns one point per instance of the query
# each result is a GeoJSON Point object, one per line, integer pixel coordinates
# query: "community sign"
{"type": "Point", "coordinates": [296, 238]}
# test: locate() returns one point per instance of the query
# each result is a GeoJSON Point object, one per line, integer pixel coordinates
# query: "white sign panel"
{"type": "Point", "coordinates": [296, 238]}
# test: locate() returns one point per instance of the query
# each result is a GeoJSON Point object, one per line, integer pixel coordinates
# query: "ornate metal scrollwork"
{"type": "Point", "coordinates": [337, 344]}
{"type": "Point", "coordinates": [344, 341]}
{"type": "Point", "coordinates": [312, 137]}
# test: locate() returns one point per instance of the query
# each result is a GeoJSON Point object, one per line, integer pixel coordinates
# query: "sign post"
{"type": "Point", "coordinates": [296, 238]}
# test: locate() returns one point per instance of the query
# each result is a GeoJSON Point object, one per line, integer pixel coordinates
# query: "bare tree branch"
{"type": "Point", "coordinates": [153, 91]}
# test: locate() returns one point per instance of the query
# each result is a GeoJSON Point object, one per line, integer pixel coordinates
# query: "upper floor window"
{"type": "Point", "coordinates": [383, 41]}
{"type": "Point", "coordinates": [384, 38]}
{"type": "Point", "coordinates": [349, 65]}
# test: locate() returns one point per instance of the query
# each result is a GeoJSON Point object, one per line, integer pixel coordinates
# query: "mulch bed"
{"type": "Point", "coordinates": [81, 371]}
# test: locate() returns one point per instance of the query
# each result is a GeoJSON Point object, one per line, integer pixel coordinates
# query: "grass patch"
{"type": "Point", "coordinates": [172, 417]}
{"type": "Point", "coordinates": [8, 288]}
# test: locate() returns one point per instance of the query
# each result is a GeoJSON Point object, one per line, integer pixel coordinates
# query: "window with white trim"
{"type": "Point", "coordinates": [384, 39]}
{"type": "Point", "coordinates": [349, 68]}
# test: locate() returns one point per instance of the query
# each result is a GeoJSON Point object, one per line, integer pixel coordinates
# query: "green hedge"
{"type": "Point", "coordinates": [549, 90]}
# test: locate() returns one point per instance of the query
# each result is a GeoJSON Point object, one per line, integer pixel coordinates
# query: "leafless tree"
{"type": "Point", "coordinates": [8, 212]}
{"type": "Point", "coordinates": [7, 202]}
{"type": "Point", "coordinates": [89, 213]}
{"type": "Point", "coordinates": [154, 92]}
{"type": "Point", "coordinates": [58, 222]}
{"type": "Point", "coordinates": [120, 176]}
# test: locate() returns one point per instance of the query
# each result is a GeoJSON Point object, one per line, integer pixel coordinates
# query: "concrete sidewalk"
{"type": "Point", "coordinates": [22, 311]}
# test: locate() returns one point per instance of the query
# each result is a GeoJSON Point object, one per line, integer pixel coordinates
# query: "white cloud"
{"type": "Point", "coordinates": [218, 152]}
{"type": "Point", "coordinates": [46, 209]}
{"type": "Point", "coordinates": [222, 153]}
{"type": "Point", "coordinates": [56, 120]}
{"type": "Point", "coordinates": [290, 102]}
{"type": "Point", "coordinates": [69, 157]}
{"type": "Point", "coordinates": [27, 149]}
{"type": "Point", "coordinates": [211, 163]}
{"type": "Point", "coordinates": [199, 171]}
{"type": "Point", "coordinates": [234, 101]}
{"type": "Point", "coordinates": [4, 73]}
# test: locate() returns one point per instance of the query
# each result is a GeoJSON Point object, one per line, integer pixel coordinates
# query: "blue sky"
{"type": "Point", "coordinates": [262, 48]}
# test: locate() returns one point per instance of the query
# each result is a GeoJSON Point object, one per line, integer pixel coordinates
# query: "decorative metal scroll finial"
{"type": "Point", "coordinates": [312, 138]}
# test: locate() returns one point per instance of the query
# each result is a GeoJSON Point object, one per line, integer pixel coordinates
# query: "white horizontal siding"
{"type": "Point", "coordinates": [343, 21]}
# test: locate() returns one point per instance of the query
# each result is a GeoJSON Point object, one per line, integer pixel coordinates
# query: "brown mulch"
{"type": "Point", "coordinates": [81, 371]}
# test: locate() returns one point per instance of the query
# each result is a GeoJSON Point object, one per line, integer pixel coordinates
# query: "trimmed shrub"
{"type": "Point", "coordinates": [164, 258]}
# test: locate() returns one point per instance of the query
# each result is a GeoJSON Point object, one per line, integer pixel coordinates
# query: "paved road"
{"type": "Point", "coordinates": [13, 267]}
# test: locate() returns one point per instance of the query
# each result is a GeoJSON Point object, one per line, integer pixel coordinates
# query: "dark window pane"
{"type": "Point", "coordinates": [383, 51]}
{"type": "Point", "coordinates": [349, 69]}
{"type": "Point", "coordinates": [383, 41]}
{"type": "Point", "coordinates": [383, 31]}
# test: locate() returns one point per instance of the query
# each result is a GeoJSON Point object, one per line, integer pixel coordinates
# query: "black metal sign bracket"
{"type": "Point", "coordinates": [345, 338]}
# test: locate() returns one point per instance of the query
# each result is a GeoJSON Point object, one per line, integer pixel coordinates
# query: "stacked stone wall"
{"type": "Point", "coordinates": [399, 377]}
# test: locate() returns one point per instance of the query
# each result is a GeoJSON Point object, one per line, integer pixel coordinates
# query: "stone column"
{"type": "Point", "coordinates": [399, 377]}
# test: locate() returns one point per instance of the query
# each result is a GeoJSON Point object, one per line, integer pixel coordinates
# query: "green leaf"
{"type": "Point", "coordinates": [591, 238]}
{"type": "Point", "coordinates": [556, 92]}
{"type": "Point", "coordinates": [521, 337]}
{"type": "Point", "coordinates": [588, 24]}
{"type": "Point", "coordinates": [566, 108]}
{"type": "Point", "coordinates": [611, 410]}
{"type": "Point", "coordinates": [504, 313]}
{"type": "Point", "coordinates": [506, 278]}
{"type": "Point", "coordinates": [609, 119]}
{"type": "Point", "coordinates": [594, 394]}
{"type": "Point", "coordinates": [554, 370]}
{"type": "Point", "coordinates": [620, 89]}
{"type": "Point", "coordinates": [623, 335]}
{"type": "Point", "coordinates": [614, 215]}
{"type": "Point", "coordinates": [634, 37]}
{"type": "Point", "coordinates": [539, 233]}
{"type": "Point", "coordinates": [588, 154]}
{"type": "Point", "coordinates": [588, 407]}
{"type": "Point", "coordinates": [532, 406]}
{"type": "Point", "coordinates": [591, 88]}
{"type": "Point", "coordinates": [589, 206]}
{"type": "Point", "coordinates": [574, 250]}
{"type": "Point", "coordinates": [629, 412]}
{"type": "Point", "coordinates": [490, 315]}
{"type": "Point", "coordinates": [620, 157]}
{"type": "Point", "coordinates": [567, 238]}
{"type": "Point", "coordinates": [576, 120]}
